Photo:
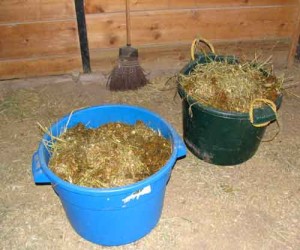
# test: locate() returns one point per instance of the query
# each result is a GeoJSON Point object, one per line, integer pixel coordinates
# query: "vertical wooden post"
{"type": "Point", "coordinates": [84, 45]}
{"type": "Point", "coordinates": [295, 40]}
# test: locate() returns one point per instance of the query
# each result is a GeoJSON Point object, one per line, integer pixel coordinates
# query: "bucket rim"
{"type": "Point", "coordinates": [57, 181]}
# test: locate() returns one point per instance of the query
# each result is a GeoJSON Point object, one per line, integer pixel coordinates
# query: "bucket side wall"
{"type": "Point", "coordinates": [119, 226]}
{"type": "Point", "coordinates": [122, 199]}
{"type": "Point", "coordinates": [219, 140]}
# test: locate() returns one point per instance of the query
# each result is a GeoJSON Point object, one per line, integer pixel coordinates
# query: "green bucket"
{"type": "Point", "coordinates": [221, 137]}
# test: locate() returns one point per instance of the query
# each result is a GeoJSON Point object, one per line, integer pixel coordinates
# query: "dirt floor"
{"type": "Point", "coordinates": [255, 205]}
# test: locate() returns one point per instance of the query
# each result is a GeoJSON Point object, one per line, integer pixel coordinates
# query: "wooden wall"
{"type": "Point", "coordinates": [163, 30]}
{"type": "Point", "coordinates": [40, 37]}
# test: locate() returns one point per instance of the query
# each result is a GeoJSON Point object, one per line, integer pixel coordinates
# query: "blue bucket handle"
{"type": "Point", "coordinates": [180, 146]}
{"type": "Point", "coordinates": [39, 176]}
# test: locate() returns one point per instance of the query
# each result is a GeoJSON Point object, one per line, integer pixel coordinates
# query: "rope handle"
{"type": "Point", "coordinates": [251, 111]}
{"type": "Point", "coordinates": [196, 42]}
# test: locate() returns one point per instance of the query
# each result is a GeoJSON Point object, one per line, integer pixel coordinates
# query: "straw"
{"type": "Point", "coordinates": [231, 87]}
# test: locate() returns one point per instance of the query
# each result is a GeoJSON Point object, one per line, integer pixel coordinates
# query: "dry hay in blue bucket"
{"type": "Point", "coordinates": [230, 86]}
{"type": "Point", "coordinates": [113, 155]}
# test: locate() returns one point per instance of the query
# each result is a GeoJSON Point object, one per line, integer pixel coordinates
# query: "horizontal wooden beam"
{"type": "Point", "coordinates": [38, 39]}
{"type": "Point", "coordinates": [176, 55]}
{"type": "Point", "coordinates": [35, 10]}
{"type": "Point", "coordinates": [105, 6]}
{"type": "Point", "coordinates": [54, 65]}
{"type": "Point", "coordinates": [164, 27]}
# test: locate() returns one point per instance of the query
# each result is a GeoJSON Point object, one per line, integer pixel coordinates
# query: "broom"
{"type": "Point", "coordinates": [128, 74]}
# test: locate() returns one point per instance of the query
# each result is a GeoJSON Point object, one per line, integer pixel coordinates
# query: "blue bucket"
{"type": "Point", "coordinates": [110, 216]}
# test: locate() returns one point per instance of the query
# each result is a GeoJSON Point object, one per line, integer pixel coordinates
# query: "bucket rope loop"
{"type": "Point", "coordinates": [190, 109]}
{"type": "Point", "coordinates": [196, 42]}
{"type": "Point", "coordinates": [251, 111]}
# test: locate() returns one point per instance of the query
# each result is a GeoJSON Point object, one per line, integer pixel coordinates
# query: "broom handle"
{"type": "Point", "coordinates": [128, 24]}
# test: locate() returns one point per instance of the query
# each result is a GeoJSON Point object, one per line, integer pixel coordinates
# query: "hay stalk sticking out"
{"type": "Point", "coordinates": [230, 87]}
{"type": "Point", "coordinates": [112, 155]}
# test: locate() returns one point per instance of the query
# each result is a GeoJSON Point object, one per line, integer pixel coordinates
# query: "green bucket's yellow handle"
{"type": "Point", "coordinates": [196, 42]}
{"type": "Point", "coordinates": [252, 117]}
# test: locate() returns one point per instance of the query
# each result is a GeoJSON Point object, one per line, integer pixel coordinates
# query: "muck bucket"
{"type": "Point", "coordinates": [221, 137]}
{"type": "Point", "coordinates": [110, 216]}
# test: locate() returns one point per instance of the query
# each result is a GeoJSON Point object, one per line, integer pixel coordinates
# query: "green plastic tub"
{"type": "Point", "coordinates": [221, 137]}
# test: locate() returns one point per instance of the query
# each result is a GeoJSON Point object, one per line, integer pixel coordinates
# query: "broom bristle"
{"type": "Point", "coordinates": [127, 75]}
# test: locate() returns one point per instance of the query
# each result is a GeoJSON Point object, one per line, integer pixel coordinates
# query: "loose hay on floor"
{"type": "Point", "coordinates": [20, 103]}
{"type": "Point", "coordinates": [263, 213]}
{"type": "Point", "coordinates": [112, 155]}
{"type": "Point", "coordinates": [230, 87]}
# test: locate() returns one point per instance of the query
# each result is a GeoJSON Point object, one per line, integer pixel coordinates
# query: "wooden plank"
{"type": "Point", "coordinates": [105, 6]}
{"type": "Point", "coordinates": [176, 55]}
{"type": "Point", "coordinates": [38, 39]}
{"type": "Point", "coordinates": [40, 66]}
{"type": "Point", "coordinates": [295, 40]}
{"type": "Point", "coordinates": [153, 27]}
{"type": "Point", "coordinates": [35, 10]}
{"type": "Point", "coordinates": [228, 3]}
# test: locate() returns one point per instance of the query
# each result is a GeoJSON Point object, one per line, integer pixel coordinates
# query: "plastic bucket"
{"type": "Point", "coordinates": [111, 216]}
{"type": "Point", "coordinates": [220, 137]}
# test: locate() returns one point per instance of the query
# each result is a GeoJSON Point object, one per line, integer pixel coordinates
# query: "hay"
{"type": "Point", "coordinates": [20, 103]}
{"type": "Point", "coordinates": [230, 87]}
{"type": "Point", "coordinates": [268, 202]}
{"type": "Point", "coordinates": [112, 155]}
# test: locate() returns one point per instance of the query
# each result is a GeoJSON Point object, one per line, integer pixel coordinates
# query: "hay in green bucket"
{"type": "Point", "coordinates": [112, 155]}
{"type": "Point", "coordinates": [230, 86]}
